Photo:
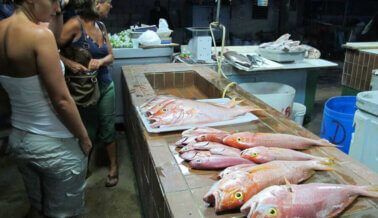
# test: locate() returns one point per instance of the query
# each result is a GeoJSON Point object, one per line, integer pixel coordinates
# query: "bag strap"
{"type": "Point", "coordinates": [84, 35]}
{"type": "Point", "coordinates": [102, 28]}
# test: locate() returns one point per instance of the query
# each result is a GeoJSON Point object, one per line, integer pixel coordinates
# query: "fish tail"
{"type": "Point", "coordinates": [370, 191]}
{"type": "Point", "coordinates": [326, 143]}
{"type": "Point", "coordinates": [251, 108]}
{"type": "Point", "coordinates": [233, 102]}
{"type": "Point", "coordinates": [324, 165]}
{"type": "Point", "coordinates": [330, 160]}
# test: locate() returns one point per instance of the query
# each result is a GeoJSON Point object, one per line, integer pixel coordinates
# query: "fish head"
{"type": "Point", "coordinates": [267, 203]}
{"type": "Point", "coordinates": [186, 149]}
{"type": "Point", "coordinates": [232, 193]}
{"type": "Point", "coordinates": [189, 155]}
{"type": "Point", "coordinates": [201, 145]}
{"type": "Point", "coordinates": [264, 210]}
{"type": "Point", "coordinates": [253, 154]}
{"type": "Point", "coordinates": [230, 200]}
{"type": "Point", "coordinates": [165, 109]}
{"type": "Point", "coordinates": [239, 140]}
{"type": "Point", "coordinates": [159, 105]}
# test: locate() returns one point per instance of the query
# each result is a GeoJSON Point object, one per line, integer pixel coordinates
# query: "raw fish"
{"type": "Point", "coordinates": [187, 112]}
{"type": "Point", "coordinates": [217, 162]}
{"type": "Point", "coordinates": [263, 154]}
{"type": "Point", "coordinates": [309, 200]}
{"type": "Point", "coordinates": [236, 188]}
{"type": "Point", "coordinates": [188, 140]}
{"type": "Point", "coordinates": [243, 140]}
{"type": "Point", "coordinates": [214, 148]}
{"type": "Point", "coordinates": [206, 134]}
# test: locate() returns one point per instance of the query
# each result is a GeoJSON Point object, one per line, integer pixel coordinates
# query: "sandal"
{"type": "Point", "coordinates": [109, 184]}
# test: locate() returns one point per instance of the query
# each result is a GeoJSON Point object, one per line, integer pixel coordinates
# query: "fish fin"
{"type": "Point", "coordinates": [288, 185]}
{"type": "Point", "coordinates": [370, 191]}
{"type": "Point", "coordinates": [276, 149]}
{"type": "Point", "coordinates": [262, 167]}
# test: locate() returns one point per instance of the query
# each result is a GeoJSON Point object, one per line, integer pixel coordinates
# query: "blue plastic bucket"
{"type": "Point", "coordinates": [337, 124]}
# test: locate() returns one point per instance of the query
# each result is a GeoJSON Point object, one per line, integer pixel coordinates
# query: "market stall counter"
{"type": "Point", "coordinates": [301, 75]}
{"type": "Point", "coordinates": [168, 187]}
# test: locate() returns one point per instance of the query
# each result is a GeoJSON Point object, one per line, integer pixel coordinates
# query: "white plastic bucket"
{"type": "Point", "coordinates": [277, 95]}
{"type": "Point", "coordinates": [364, 143]}
{"type": "Point", "coordinates": [298, 113]}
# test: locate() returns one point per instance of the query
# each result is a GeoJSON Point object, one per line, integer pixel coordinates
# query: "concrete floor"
{"type": "Point", "coordinates": [123, 200]}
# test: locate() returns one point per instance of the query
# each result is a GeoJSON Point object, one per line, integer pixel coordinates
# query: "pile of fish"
{"type": "Point", "coordinates": [163, 111]}
{"type": "Point", "coordinates": [257, 167]}
{"type": "Point", "coordinates": [243, 62]}
{"type": "Point", "coordinates": [283, 43]}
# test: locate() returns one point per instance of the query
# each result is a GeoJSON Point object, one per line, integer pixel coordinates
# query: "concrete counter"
{"type": "Point", "coordinates": [168, 186]}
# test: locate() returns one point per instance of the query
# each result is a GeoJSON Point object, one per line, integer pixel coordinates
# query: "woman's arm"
{"type": "Point", "coordinates": [51, 74]}
{"type": "Point", "coordinates": [70, 31]}
{"type": "Point", "coordinates": [72, 65]}
{"type": "Point", "coordinates": [94, 64]}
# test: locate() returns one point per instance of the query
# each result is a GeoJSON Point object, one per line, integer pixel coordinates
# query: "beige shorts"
{"type": "Point", "coordinates": [53, 170]}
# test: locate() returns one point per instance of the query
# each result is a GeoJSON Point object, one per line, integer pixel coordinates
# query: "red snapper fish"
{"type": "Point", "coordinates": [315, 200]}
{"type": "Point", "coordinates": [236, 188]}
{"type": "Point", "coordinates": [214, 148]}
{"type": "Point", "coordinates": [187, 112]}
{"type": "Point", "coordinates": [243, 140]}
{"type": "Point", "coordinates": [206, 134]}
{"type": "Point", "coordinates": [215, 162]}
{"type": "Point", "coordinates": [263, 154]}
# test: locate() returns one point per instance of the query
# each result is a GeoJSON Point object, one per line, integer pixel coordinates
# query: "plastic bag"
{"type": "Point", "coordinates": [149, 38]}
{"type": "Point", "coordinates": [163, 26]}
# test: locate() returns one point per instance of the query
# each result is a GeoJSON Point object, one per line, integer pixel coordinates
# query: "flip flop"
{"type": "Point", "coordinates": [109, 184]}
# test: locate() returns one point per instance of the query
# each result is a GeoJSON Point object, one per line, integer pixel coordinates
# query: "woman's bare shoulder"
{"type": "Point", "coordinates": [73, 24]}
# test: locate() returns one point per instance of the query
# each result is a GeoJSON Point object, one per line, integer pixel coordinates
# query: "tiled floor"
{"type": "Point", "coordinates": [123, 200]}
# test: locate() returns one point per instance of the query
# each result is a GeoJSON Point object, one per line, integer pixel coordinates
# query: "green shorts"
{"type": "Point", "coordinates": [99, 120]}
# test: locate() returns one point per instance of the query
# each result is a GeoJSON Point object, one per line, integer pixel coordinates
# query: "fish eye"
{"type": "Point", "coordinates": [164, 110]}
{"type": "Point", "coordinates": [255, 154]}
{"type": "Point", "coordinates": [238, 139]}
{"type": "Point", "coordinates": [238, 195]}
{"type": "Point", "coordinates": [160, 105]}
{"type": "Point", "coordinates": [198, 161]}
{"type": "Point", "coordinates": [272, 212]}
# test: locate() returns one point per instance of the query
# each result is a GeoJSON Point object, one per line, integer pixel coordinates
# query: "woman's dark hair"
{"type": "Point", "coordinates": [86, 9]}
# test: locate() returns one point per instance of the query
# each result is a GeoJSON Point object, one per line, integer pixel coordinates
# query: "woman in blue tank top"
{"type": "Point", "coordinates": [86, 31]}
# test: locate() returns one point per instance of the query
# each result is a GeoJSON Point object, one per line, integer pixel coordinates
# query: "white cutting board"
{"type": "Point", "coordinates": [248, 117]}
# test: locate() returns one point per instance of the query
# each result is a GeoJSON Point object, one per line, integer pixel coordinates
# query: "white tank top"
{"type": "Point", "coordinates": [31, 107]}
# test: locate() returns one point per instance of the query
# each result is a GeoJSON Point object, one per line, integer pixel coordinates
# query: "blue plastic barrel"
{"type": "Point", "coordinates": [337, 124]}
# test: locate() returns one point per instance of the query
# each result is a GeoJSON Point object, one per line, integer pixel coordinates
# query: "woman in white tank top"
{"type": "Point", "coordinates": [49, 141]}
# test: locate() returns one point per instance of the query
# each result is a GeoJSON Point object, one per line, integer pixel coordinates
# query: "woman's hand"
{"type": "Point", "coordinates": [95, 64]}
{"type": "Point", "coordinates": [86, 145]}
{"type": "Point", "coordinates": [76, 67]}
